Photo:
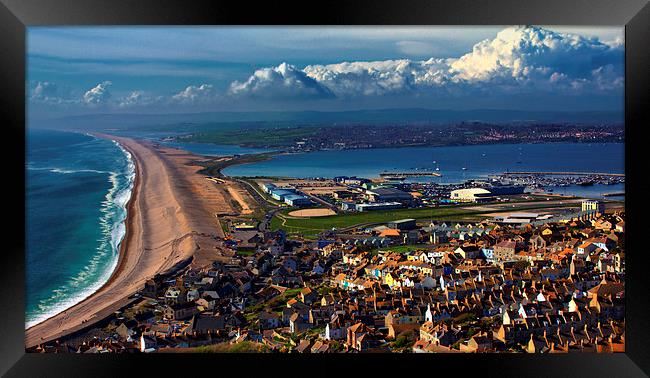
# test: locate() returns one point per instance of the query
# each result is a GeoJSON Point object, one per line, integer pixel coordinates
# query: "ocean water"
{"type": "Point", "coordinates": [77, 189]}
{"type": "Point", "coordinates": [480, 161]}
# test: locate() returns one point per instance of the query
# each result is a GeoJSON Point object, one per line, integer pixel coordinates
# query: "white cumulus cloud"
{"type": "Point", "coordinates": [98, 95]}
{"type": "Point", "coordinates": [195, 94]}
{"type": "Point", "coordinates": [521, 59]}
{"type": "Point", "coordinates": [44, 90]}
{"type": "Point", "coordinates": [138, 98]}
{"type": "Point", "coordinates": [379, 77]}
{"type": "Point", "coordinates": [284, 80]}
{"type": "Point", "coordinates": [520, 54]}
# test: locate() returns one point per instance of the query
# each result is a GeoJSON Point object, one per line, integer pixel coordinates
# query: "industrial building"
{"type": "Point", "coordinates": [389, 195]}
{"type": "Point", "coordinates": [378, 206]}
{"type": "Point", "coordinates": [471, 195]}
{"type": "Point", "coordinates": [297, 200]}
{"type": "Point", "coordinates": [506, 190]}
{"type": "Point", "coordinates": [517, 218]}
{"type": "Point", "coordinates": [268, 187]}
{"type": "Point", "coordinates": [402, 224]}
{"type": "Point", "coordinates": [280, 194]}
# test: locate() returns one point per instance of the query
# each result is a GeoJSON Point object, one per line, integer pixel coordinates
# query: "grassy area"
{"type": "Point", "coordinates": [407, 248]}
{"type": "Point", "coordinates": [309, 227]}
{"type": "Point", "coordinates": [243, 347]}
{"type": "Point", "coordinates": [274, 304]}
{"type": "Point", "coordinates": [245, 252]}
{"type": "Point", "coordinates": [214, 167]}
{"type": "Point", "coordinates": [271, 136]}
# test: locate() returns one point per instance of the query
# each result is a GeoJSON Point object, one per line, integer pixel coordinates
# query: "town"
{"type": "Point", "coordinates": [480, 275]}
{"type": "Point", "coordinates": [304, 138]}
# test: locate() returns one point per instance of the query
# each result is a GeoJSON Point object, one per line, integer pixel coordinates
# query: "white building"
{"type": "Point", "coordinates": [593, 206]}
{"type": "Point", "coordinates": [471, 195]}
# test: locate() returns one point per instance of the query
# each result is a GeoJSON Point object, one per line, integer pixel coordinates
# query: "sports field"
{"type": "Point", "coordinates": [309, 227]}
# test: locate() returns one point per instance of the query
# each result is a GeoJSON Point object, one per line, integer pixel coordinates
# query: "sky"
{"type": "Point", "coordinates": [144, 70]}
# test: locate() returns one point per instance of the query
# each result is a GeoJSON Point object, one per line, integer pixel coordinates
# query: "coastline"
{"type": "Point", "coordinates": [172, 221]}
{"type": "Point", "coordinates": [122, 250]}
{"type": "Point", "coordinates": [135, 265]}
{"type": "Point", "coordinates": [108, 275]}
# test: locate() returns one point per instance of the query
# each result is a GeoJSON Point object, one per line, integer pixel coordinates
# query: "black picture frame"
{"type": "Point", "coordinates": [16, 15]}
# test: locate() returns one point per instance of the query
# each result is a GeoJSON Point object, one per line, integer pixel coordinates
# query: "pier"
{"type": "Point", "coordinates": [565, 174]}
{"type": "Point", "coordinates": [614, 194]}
{"type": "Point", "coordinates": [409, 174]}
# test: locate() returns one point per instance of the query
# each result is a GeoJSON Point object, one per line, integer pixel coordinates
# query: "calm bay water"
{"type": "Point", "coordinates": [77, 188]}
{"type": "Point", "coordinates": [479, 161]}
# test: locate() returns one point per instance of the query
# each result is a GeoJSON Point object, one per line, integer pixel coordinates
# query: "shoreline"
{"type": "Point", "coordinates": [121, 243]}
{"type": "Point", "coordinates": [159, 236]}
{"type": "Point", "coordinates": [171, 222]}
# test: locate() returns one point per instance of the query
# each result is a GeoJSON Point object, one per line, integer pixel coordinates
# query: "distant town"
{"type": "Point", "coordinates": [296, 138]}
{"type": "Point", "coordinates": [353, 264]}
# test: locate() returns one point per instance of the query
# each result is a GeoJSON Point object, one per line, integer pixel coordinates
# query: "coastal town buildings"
{"type": "Point", "coordinates": [476, 287]}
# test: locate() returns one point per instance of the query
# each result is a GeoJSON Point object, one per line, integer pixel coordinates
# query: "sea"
{"type": "Point", "coordinates": [77, 190]}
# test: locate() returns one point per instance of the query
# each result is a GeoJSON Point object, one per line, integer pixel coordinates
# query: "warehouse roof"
{"type": "Point", "coordinates": [408, 220]}
{"type": "Point", "coordinates": [472, 191]}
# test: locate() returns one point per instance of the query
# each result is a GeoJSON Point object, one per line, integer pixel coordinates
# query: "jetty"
{"type": "Point", "coordinates": [614, 194]}
{"type": "Point", "coordinates": [410, 174]}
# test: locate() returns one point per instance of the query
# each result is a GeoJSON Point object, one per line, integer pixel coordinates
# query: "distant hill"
{"type": "Point", "coordinates": [381, 116]}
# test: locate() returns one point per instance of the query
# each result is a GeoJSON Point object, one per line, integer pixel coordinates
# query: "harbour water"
{"type": "Point", "coordinates": [77, 189]}
{"type": "Point", "coordinates": [456, 164]}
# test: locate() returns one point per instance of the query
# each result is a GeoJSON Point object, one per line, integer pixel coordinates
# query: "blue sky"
{"type": "Point", "coordinates": [82, 70]}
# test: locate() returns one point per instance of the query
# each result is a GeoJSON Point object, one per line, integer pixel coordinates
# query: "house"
{"type": "Point", "coordinates": [468, 251]}
{"type": "Point", "coordinates": [179, 311]}
{"type": "Point", "coordinates": [334, 331]}
{"type": "Point", "coordinates": [504, 250]}
{"type": "Point", "coordinates": [173, 295]}
{"type": "Point", "coordinates": [150, 289]}
{"type": "Point", "coordinates": [297, 324]}
{"type": "Point", "coordinates": [269, 320]}
{"type": "Point", "coordinates": [537, 242]}
{"type": "Point", "coordinates": [148, 344]}
{"type": "Point", "coordinates": [304, 346]}
{"type": "Point", "coordinates": [480, 343]}
{"type": "Point", "coordinates": [620, 226]}
{"type": "Point", "coordinates": [207, 323]}
{"type": "Point", "coordinates": [438, 334]}
{"type": "Point", "coordinates": [361, 337]}
{"type": "Point", "coordinates": [307, 295]}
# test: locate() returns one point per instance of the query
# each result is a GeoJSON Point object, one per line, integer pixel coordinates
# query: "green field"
{"type": "Point", "coordinates": [269, 136]}
{"type": "Point", "coordinates": [313, 226]}
{"type": "Point", "coordinates": [309, 227]}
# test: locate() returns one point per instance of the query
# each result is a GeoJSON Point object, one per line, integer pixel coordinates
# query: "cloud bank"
{"type": "Point", "coordinates": [284, 80]}
{"type": "Point", "coordinates": [518, 60]}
